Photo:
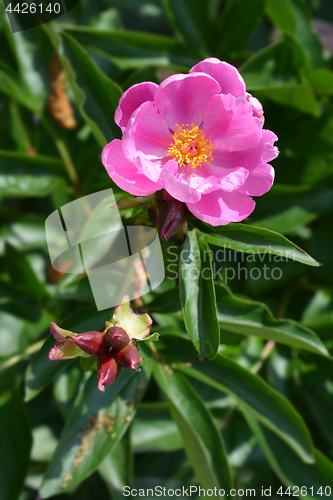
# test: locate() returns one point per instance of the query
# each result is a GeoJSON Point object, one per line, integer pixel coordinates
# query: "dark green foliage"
{"type": "Point", "coordinates": [238, 390]}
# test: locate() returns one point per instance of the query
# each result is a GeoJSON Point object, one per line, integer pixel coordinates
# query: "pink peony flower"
{"type": "Point", "coordinates": [200, 137]}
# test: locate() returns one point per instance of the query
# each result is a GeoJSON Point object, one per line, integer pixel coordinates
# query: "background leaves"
{"type": "Point", "coordinates": [194, 421]}
{"type": "Point", "coordinates": [96, 424]}
{"type": "Point", "coordinates": [15, 440]}
{"type": "Point", "coordinates": [241, 392]}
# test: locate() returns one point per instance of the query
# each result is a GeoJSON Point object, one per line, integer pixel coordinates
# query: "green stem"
{"type": "Point", "coordinates": [15, 359]}
{"type": "Point", "coordinates": [64, 153]}
{"type": "Point", "coordinates": [269, 346]}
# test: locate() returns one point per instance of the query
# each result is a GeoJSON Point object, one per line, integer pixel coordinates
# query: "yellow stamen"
{"type": "Point", "coordinates": [190, 146]}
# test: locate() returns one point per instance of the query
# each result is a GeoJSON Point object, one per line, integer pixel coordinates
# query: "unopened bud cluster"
{"type": "Point", "coordinates": [113, 350]}
{"type": "Point", "coordinates": [114, 347]}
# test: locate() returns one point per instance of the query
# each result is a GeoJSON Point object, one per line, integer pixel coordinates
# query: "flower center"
{"type": "Point", "coordinates": [190, 146]}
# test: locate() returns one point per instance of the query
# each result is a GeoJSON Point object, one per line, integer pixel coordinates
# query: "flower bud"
{"type": "Point", "coordinates": [165, 195]}
{"type": "Point", "coordinates": [108, 370]}
{"type": "Point", "coordinates": [92, 343]}
{"type": "Point", "coordinates": [172, 216]}
{"type": "Point", "coordinates": [128, 357]}
{"type": "Point", "coordinates": [153, 215]}
{"type": "Point", "coordinates": [116, 337]}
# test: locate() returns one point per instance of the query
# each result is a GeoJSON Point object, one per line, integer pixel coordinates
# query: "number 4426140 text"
{"type": "Point", "coordinates": [33, 8]}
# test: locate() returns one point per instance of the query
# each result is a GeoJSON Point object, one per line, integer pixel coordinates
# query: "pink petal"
{"type": "Point", "coordinates": [177, 182]}
{"type": "Point", "coordinates": [233, 179]}
{"type": "Point", "coordinates": [132, 99]}
{"type": "Point", "coordinates": [148, 133]}
{"type": "Point", "coordinates": [59, 333]}
{"type": "Point", "coordinates": [124, 173]}
{"type": "Point", "coordinates": [269, 150]}
{"type": "Point", "coordinates": [186, 183]}
{"type": "Point", "coordinates": [182, 99]}
{"type": "Point", "coordinates": [263, 152]}
{"type": "Point", "coordinates": [55, 353]}
{"type": "Point", "coordinates": [231, 82]}
{"type": "Point", "coordinates": [100, 385]}
{"type": "Point", "coordinates": [229, 124]}
{"type": "Point", "coordinates": [200, 179]}
{"type": "Point", "coordinates": [219, 208]}
{"type": "Point", "coordinates": [259, 181]}
{"type": "Point", "coordinates": [66, 350]}
{"type": "Point", "coordinates": [151, 168]}
{"type": "Point", "coordinates": [257, 110]}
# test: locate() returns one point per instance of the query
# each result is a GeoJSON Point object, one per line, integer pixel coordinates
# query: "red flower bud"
{"type": "Point", "coordinates": [153, 215]}
{"type": "Point", "coordinates": [116, 337]}
{"type": "Point", "coordinates": [172, 216]}
{"type": "Point", "coordinates": [108, 370]}
{"type": "Point", "coordinates": [128, 357]}
{"type": "Point", "coordinates": [92, 343]}
{"type": "Point", "coordinates": [166, 196]}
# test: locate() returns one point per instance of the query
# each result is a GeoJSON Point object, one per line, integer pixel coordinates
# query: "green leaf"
{"type": "Point", "coordinates": [20, 130]}
{"type": "Point", "coordinates": [117, 467]}
{"type": "Point", "coordinates": [189, 19]}
{"type": "Point", "coordinates": [198, 297]}
{"type": "Point", "coordinates": [288, 466]}
{"type": "Point", "coordinates": [321, 409]}
{"type": "Point", "coordinates": [22, 275]}
{"type": "Point", "coordinates": [299, 96]}
{"type": "Point", "coordinates": [319, 312]}
{"type": "Point", "coordinates": [134, 50]}
{"type": "Point", "coordinates": [255, 240]}
{"type": "Point", "coordinates": [306, 34]}
{"type": "Point", "coordinates": [317, 392]}
{"type": "Point", "coordinates": [78, 289]}
{"type": "Point", "coordinates": [235, 26]}
{"type": "Point", "coordinates": [10, 85]}
{"type": "Point", "coordinates": [44, 443]}
{"type": "Point", "coordinates": [248, 317]}
{"type": "Point", "coordinates": [97, 423]}
{"type": "Point", "coordinates": [282, 15]}
{"type": "Point", "coordinates": [66, 386]}
{"type": "Point", "coordinates": [202, 440]}
{"type": "Point", "coordinates": [154, 337]}
{"type": "Point", "coordinates": [277, 72]}
{"type": "Point", "coordinates": [24, 176]}
{"type": "Point", "coordinates": [32, 51]}
{"type": "Point", "coordinates": [287, 208]}
{"type": "Point", "coordinates": [275, 65]}
{"type": "Point", "coordinates": [96, 95]}
{"type": "Point", "coordinates": [89, 365]}
{"type": "Point", "coordinates": [251, 392]}
{"type": "Point", "coordinates": [41, 371]}
{"type": "Point", "coordinates": [322, 80]}
{"type": "Point", "coordinates": [238, 438]}
{"type": "Point", "coordinates": [293, 17]}
{"type": "Point", "coordinates": [21, 321]}
{"type": "Point", "coordinates": [26, 232]}
{"type": "Point", "coordinates": [154, 430]}
{"type": "Point", "coordinates": [15, 442]}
